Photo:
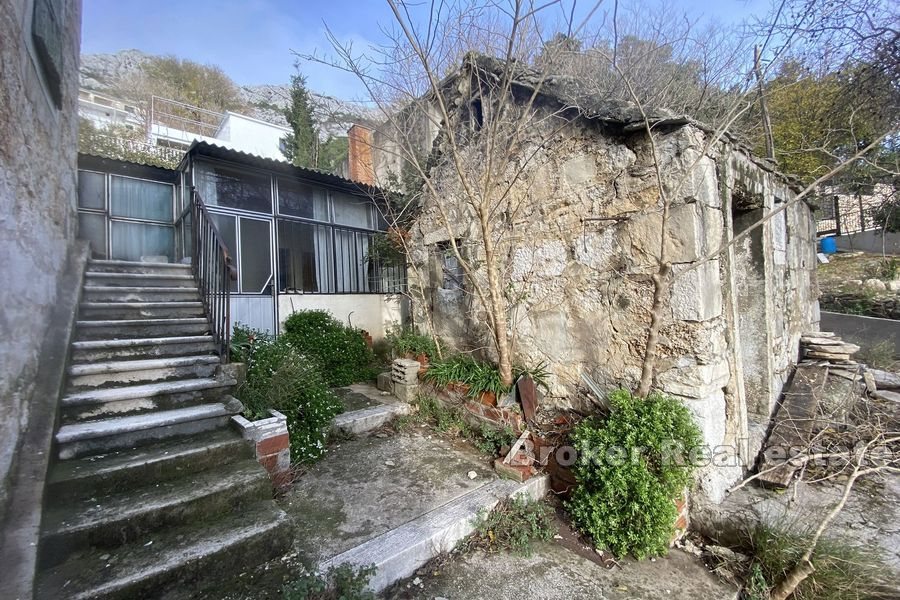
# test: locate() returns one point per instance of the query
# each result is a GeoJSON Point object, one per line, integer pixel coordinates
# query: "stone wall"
{"type": "Point", "coordinates": [578, 241]}
{"type": "Point", "coordinates": [38, 143]}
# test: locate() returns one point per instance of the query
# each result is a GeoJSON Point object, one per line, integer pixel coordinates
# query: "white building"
{"type": "Point", "coordinates": [173, 124]}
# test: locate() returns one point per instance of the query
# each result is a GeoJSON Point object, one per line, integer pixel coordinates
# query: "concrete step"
{"type": "Point", "coordinates": [176, 280]}
{"type": "Point", "coordinates": [124, 266]}
{"type": "Point", "coordinates": [177, 564]}
{"type": "Point", "coordinates": [398, 553]}
{"type": "Point", "coordinates": [140, 348]}
{"type": "Point", "coordinates": [131, 372]}
{"type": "Point", "coordinates": [106, 293]}
{"type": "Point", "coordinates": [161, 461]}
{"type": "Point", "coordinates": [116, 433]}
{"type": "Point", "coordinates": [139, 328]}
{"type": "Point", "coordinates": [89, 311]}
{"type": "Point", "coordinates": [364, 420]}
{"type": "Point", "coordinates": [133, 514]}
{"type": "Point", "coordinates": [125, 400]}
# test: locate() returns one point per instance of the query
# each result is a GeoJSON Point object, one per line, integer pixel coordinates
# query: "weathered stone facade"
{"type": "Point", "coordinates": [38, 145]}
{"type": "Point", "coordinates": [578, 250]}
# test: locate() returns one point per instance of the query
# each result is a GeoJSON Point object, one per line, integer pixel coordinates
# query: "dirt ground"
{"type": "Point", "coordinates": [849, 266]}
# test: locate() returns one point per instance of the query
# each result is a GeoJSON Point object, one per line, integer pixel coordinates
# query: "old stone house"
{"type": "Point", "coordinates": [578, 237]}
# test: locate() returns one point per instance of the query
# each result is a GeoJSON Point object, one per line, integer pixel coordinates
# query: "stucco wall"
{"type": "Point", "coordinates": [37, 207]}
{"type": "Point", "coordinates": [577, 248]}
{"type": "Point", "coordinates": [376, 313]}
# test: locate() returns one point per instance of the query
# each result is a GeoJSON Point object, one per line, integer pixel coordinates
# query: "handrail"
{"type": "Point", "coordinates": [213, 270]}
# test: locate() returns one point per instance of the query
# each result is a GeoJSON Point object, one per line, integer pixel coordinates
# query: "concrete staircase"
{"type": "Point", "coordinates": [151, 493]}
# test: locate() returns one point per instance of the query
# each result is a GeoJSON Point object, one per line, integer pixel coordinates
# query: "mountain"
{"type": "Point", "coordinates": [101, 72]}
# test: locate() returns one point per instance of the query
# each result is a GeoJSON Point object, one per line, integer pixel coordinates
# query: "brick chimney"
{"type": "Point", "coordinates": [360, 154]}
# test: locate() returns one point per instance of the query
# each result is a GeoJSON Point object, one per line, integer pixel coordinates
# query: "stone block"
{"type": "Point", "coordinates": [579, 169]}
{"type": "Point", "coordinates": [696, 293]}
{"type": "Point", "coordinates": [405, 392]}
{"type": "Point", "coordinates": [709, 414]}
{"type": "Point", "coordinates": [695, 381]}
{"type": "Point", "coordinates": [384, 382]}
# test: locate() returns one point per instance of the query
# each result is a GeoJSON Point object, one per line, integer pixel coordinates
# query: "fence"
{"type": "Point", "coordinates": [845, 214]}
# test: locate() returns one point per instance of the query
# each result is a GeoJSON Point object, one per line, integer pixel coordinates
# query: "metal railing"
{"type": "Point", "coordinates": [213, 270]}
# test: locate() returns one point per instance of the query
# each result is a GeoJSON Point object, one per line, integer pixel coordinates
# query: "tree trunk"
{"type": "Point", "coordinates": [498, 304]}
{"type": "Point", "coordinates": [794, 577]}
{"type": "Point", "coordinates": [660, 281]}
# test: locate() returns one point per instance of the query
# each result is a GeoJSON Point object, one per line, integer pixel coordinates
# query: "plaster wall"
{"type": "Point", "coordinates": [376, 313]}
{"type": "Point", "coordinates": [38, 145]}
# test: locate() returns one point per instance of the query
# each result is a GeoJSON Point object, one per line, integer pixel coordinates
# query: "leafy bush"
{"type": "Point", "coordinates": [513, 526]}
{"type": "Point", "coordinates": [842, 571]}
{"type": "Point", "coordinates": [342, 351]}
{"type": "Point", "coordinates": [343, 582]}
{"type": "Point", "coordinates": [627, 478]}
{"type": "Point", "coordinates": [462, 368]}
{"type": "Point", "coordinates": [407, 341]}
{"type": "Point", "coordinates": [280, 377]}
{"type": "Point", "coordinates": [490, 439]}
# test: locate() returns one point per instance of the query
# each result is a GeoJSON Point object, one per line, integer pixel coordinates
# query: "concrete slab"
{"type": "Point", "coordinates": [555, 573]}
{"type": "Point", "coordinates": [366, 408]}
{"type": "Point", "coordinates": [369, 486]}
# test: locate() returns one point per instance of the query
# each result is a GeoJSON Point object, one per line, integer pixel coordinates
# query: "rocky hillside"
{"type": "Point", "coordinates": [101, 72]}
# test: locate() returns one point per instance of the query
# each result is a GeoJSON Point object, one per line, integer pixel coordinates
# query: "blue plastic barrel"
{"type": "Point", "coordinates": [828, 245]}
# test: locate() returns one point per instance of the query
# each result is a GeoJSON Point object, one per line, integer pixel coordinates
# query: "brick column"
{"type": "Point", "coordinates": [271, 444]}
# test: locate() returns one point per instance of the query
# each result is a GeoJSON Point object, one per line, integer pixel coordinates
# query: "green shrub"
{"type": "Point", "coordinates": [343, 582]}
{"type": "Point", "coordinates": [342, 351]}
{"type": "Point", "coordinates": [513, 526]}
{"type": "Point", "coordinates": [407, 341]}
{"type": "Point", "coordinates": [462, 368]}
{"type": "Point", "coordinates": [280, 377]}
{"type": "Point", "coordinates": [627, 478]}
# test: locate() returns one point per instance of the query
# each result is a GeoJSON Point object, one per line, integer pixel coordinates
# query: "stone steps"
{"type": "Point", "coordinates": [153, 493]}
{"type": "Point", "coordinates": [115, 433]}
{"type": "Point", "coordinates": [125, 400]}
{"type": "Point", "coordinates": [133, 514]}
{"type": "Point", "coordinates": [364, 420]}
{"type": "Point", "coordinates": [139, 328]}
{"type": "Point", "coordinates": [400, 552]}
{"type": "Point", "coordinates": [161, 461]}
{"type": "Point", "coordinates": [141, 348]}
{"type": "Point", "coordinates": [122, 266]}
{"type": "Point", "coordinates": [94, 293]}
{"type": "Point", "coordinates": [175, 280]}
{"type": "Point", "coordinates": [132, 372]}
{"type": "Point", "coordinates": [139, 310]}
{"type": "Point", "coordinates": [176, 564]}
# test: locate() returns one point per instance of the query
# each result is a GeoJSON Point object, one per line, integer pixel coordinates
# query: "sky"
{"type": "Point", "coordinates": [253, 40]}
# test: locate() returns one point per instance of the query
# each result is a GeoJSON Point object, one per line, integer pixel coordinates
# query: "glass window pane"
{"type": "Point", "coordinates": [354, 211]}
{"type": "Point", "coordinates": [140, 241]}
{"type": "Point", "coordinates": [93, 229]}
{"type": "Point", "coordinates": [302, 200]}
{"type": "Point", "coordinates": [225, 225]}
{"type": "Point", "coordinates": [304, 258]}
{"type": "Point", "coordinates": [350, 250]}
{"type": "Point", "coordinates": [223, 186]}
{"type": "Point", "coordinates": [140, 199]}
{"type": "Point", "coordinates": [91, 190]}
{"type": "Point", "coordinates": [256, 260]}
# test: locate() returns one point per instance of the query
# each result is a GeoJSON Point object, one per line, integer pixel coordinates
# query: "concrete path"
{"type": "Point", "coordinates": [555, 573]}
